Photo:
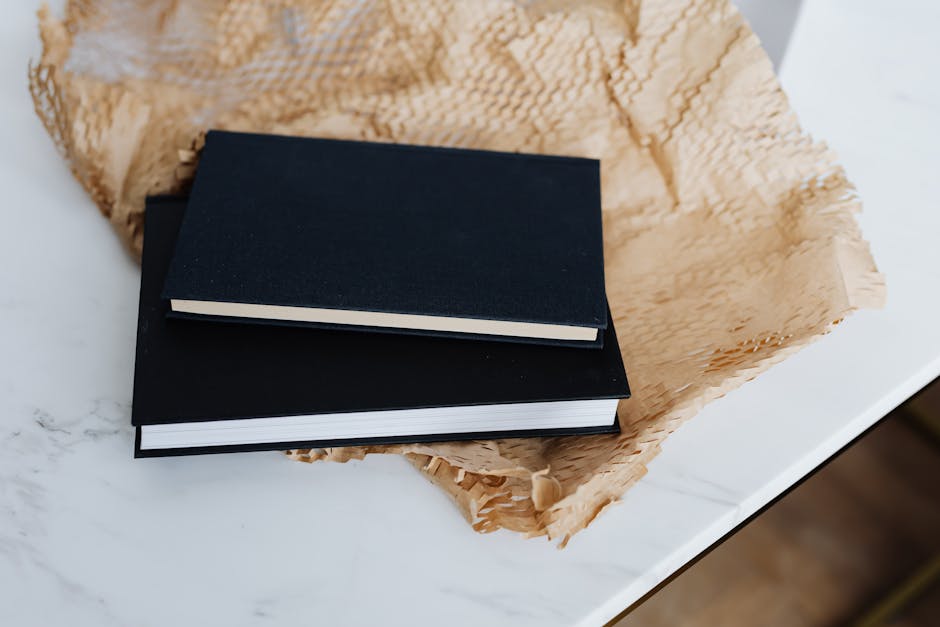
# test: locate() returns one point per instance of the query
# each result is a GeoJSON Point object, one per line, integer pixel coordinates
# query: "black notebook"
{"type": "Point", "coordinates": [202, 388]}
{"type": "Point", "coordinates": [396, 238]}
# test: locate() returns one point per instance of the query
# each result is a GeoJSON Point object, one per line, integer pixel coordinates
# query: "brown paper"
{"type": "Point", "coordinates": [729, 235]}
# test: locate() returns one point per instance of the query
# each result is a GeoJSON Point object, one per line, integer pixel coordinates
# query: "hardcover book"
{"type": "Point", "coordinates": [387, 237]}
{"type": "Point", "coordinates": [201, 388]}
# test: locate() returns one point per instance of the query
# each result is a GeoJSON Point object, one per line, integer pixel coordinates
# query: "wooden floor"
{"type": "Point", "coordinates": [833, 547]}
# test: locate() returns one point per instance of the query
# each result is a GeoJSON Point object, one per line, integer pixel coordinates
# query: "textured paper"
{"type": "Point", "coordinates": [730, 240]}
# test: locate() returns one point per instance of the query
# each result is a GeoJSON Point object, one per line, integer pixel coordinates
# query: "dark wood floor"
{"type": "Point", "coordinates": [828, 552]}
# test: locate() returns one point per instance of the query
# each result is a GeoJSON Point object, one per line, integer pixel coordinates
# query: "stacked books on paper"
{"type": "Point", "coordinates": [313, 293]}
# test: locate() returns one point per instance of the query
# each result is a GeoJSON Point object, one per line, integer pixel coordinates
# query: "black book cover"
{"type": "Point", "coordinates": [366, 227]}
{"type": "Point", "coordinates": [188, 372]}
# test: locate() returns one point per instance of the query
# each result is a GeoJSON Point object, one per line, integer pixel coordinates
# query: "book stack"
{"type": "Point", "coordinates": [314, 293]}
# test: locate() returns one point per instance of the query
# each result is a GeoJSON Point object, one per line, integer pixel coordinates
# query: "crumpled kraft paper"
{"type": "Point", "coordinates": [730, 240]}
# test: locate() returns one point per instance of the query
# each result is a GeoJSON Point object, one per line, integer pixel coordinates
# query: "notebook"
{"type": "Point", "coordinates": [205, 388]}
{"type": "Point", "coordinates": [394, 238]}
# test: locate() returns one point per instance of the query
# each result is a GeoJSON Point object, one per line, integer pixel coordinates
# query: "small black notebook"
{"type": "Point", "coordinates": [201, 388]}
{"type": "Point", "coordinates": [393, 238]}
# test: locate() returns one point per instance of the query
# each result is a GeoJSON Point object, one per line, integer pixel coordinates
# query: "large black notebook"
{"type": "Point", "coordinates": [201, 387]}
{"type": "Point", "coordinates": [391, 237]}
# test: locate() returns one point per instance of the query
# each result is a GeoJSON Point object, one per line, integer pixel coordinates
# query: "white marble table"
{"type": "Point", "coordinates": [89, 536]}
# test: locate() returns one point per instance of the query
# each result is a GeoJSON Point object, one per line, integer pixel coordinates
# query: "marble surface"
{"type": "Point", "coordinates": [89, 536]}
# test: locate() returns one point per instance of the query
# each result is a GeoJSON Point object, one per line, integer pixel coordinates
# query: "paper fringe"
{"type": "Point", "coordinates": [730, 240]}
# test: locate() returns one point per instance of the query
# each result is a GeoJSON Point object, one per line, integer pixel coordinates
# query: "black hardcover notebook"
{"type": "Point", "coordinates": [390, 237]}
{"type": "Point", "coordinates": [201, 388]}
